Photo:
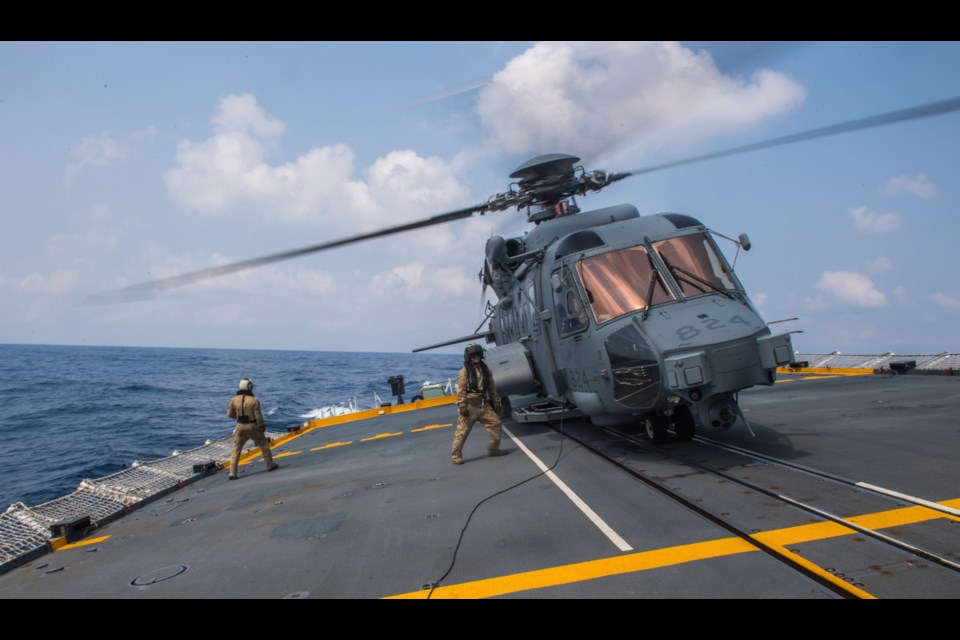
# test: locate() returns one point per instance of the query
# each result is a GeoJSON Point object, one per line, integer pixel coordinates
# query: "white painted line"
{"type": "Point", "coordinates": [909, 498]}
{"type": "Point", "coordinates": [619, 542]}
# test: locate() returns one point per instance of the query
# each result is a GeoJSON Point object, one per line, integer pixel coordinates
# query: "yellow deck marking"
{"type": "Point", "coordinates": [670, 556]}
{"type": "Point", "coordinates": [81, 543]}
{"type": "Point", "coordinates": [286, 453]}
{"type": "Point", "coordinates": [588, 570]}
{"type": "Point", "coordinates": [382, 435]}
{"type": "Point", "coordinates": [820, 377]}
{"type": "Point", "coordinates": [839, 371]}
{"type": "Point", "coordinates": [251, 456]}
{"type": "Point", "coordinates": [826, 575]}
{"type": "Point", "coordinates": [785, 380]}
{"type": "Point", "coordinates": [431, 426]}
{"type": "Point", "coordinates": [332, 445]}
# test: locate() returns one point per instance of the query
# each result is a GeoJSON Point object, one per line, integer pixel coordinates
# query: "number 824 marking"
{"type": "Point", "coordinates": [689, 332]}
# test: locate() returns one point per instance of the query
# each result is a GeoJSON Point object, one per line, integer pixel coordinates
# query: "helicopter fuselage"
{"type": "Point", "coordinates": [627, 316]}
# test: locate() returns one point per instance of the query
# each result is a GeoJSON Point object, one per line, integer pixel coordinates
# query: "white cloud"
{"type": "Point", "coordinates": [946, 301]}
{"type": "Point", "coordinates": [452, 281]}
{"type": "Point", "coordinates": [229, 172]}
{"type": "Point", "coordinates": [919, 185]}
{"type": "Point", "coordinates": [588, 99]}
{"type": "Point", "coordinates": [410, 274]}
{"type": "Point", "coordinates": [58, 282]}
{"type": "Point", "coordinates": [94, 151]}
{"type": "Point", "coordinates": [867, 221]}
{"type": "Point", "coordinates": [880, 265]}
{"type": "Point", "coordinates": [242, 114]}
{"type": "Point", "coordinates": [853, 288]}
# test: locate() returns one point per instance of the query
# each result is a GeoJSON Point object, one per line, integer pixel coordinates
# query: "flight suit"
{"type": "Point", "coordinates": [477, 404]}
{"type": "Point", "coordinates": [245, 409]}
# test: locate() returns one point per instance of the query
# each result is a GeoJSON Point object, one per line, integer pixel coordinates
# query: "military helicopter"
{"type": "Point", "coordinates": [619, 316]}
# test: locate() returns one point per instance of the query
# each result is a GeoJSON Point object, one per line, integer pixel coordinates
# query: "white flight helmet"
{"type": "Point", "coordinates": [246, 384]}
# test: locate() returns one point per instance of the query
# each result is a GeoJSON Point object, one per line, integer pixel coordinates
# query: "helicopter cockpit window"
{"type": "Point", "coordinates": [618, 282]}
{"type": "Point", "coordinates": [694, 264]}
{"type": "Point", "coordinates": [571, 316]}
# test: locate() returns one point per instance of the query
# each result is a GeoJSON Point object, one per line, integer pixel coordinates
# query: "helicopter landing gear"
{"type": "Point", "coordinates": [657, 424]}
{"type": "Point", "coordinates": [683, 423]}
{"type": "Point", "coordinates": [506, 407]}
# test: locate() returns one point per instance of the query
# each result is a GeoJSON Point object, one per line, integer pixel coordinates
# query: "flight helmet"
{"type": "Point", "coordinates": [472, 350]}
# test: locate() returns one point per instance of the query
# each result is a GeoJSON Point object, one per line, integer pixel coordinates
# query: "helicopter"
{"type": "Point", "coordinates": [618, 316]}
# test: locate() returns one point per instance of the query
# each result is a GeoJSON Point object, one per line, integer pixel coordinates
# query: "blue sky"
{"type": "Point", "coordinates": [125, 162]}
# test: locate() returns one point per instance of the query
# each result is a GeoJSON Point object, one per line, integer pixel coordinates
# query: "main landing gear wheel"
{"type": "Point", "coordinates": [657, 428]}
{"type": "Point", "coordinates": [683, 424]}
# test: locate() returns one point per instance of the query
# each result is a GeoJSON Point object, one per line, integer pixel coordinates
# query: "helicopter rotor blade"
{"type": "Point", "coordinates": [154, 287]}
{"type": "Point", "coordinates": [892, 117]}
{"type": "Point", "coordinates": [516, 199]}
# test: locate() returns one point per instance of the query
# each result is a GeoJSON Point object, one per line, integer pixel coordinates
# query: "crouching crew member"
{"type": "Point", "coordinates": [477, 400]}
{"type": "Point", "coordinates": [245, 409]}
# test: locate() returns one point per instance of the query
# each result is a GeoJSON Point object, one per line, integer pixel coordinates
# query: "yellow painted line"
{"type": "Point", "coordinates": [57, 543]}
{"type": "Point", "coordinates": [645, 560]}
{"type": "Point", "coordinates": [826, 575]}
{"type": "Point", "coordinates": [287, 453]}
{"type": "Point", "coordinates": [379, 411]}
{"type": "Point", "coordinates": [382, 435]}
{"type": "Point", "coordinates": [843, 371]}
{"type": "Point", "coordinates": [252, 455]}
{"type": "Point", "coordinates": [820, 377]}
{"type": "Point", "coordinates": [589, 570]}
{"type": "Point", "coordinates": [80, 543]}
{"type": "Point", "coordinates": [431, 426]}
{"type": "Point", "coordinates": [332, 445]}
{"type": "Point", "coordinates": [785, 380]}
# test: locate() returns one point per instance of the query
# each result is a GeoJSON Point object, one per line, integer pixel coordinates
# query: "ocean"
{"type": "Point", "coordinates": [76, 412]}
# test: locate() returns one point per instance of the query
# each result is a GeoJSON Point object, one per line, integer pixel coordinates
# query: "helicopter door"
{"type": "Point", "coordinates": [574, 367]}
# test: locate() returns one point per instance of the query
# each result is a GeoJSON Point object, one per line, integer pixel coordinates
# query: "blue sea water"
{"type": "Point", "coordinates": [75, 412]}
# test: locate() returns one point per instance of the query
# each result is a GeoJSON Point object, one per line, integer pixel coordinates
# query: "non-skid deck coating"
{"type": "Point", "coordinates": [375, 509]}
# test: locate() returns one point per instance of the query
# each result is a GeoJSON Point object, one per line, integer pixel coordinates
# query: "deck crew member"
{"type": "Point", "coordinates": [245, 409]}
{"type": "Point", "coordinates": [477, 400]}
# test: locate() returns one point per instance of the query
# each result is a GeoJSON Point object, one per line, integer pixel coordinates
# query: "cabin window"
{"type": "Point", "coordinates": [571, 317]}
{"type": "Point", "coordinates": [694, 264]}
{"type": "Point", "coordinates": [619, 282]}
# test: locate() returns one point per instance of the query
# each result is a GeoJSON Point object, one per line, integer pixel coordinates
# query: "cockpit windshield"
{"type": "Point", "coordinates": [618, 282]}
{"type": "Point", "coordinates": [626, 280]}
{"type": "Point", "coordinates": [694, 264]}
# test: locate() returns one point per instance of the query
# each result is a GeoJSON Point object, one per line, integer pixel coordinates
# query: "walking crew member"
{"type": "Point", "coordinates": [477, 399]}
{"type": "Point", "coordinates": [245, 409]}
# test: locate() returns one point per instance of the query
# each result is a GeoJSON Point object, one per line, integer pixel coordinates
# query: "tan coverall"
{"type": "Point", "coordinates": [473, 407]}
{"type": "Point", "coordinates": [245, 409]}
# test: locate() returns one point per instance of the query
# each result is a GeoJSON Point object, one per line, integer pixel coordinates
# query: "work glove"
{"type": "Point", "coordinates": [462, 407]}
{"type": "Point", "coordinates": [496, 408]}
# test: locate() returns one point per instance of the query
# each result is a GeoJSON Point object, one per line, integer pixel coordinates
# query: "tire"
{"type": "Point", "coordinates": [415, 398]}
{"type": "Point", "coordinates": [656, 425]}
{"type": "Point", "coordinates": [683, 423]}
